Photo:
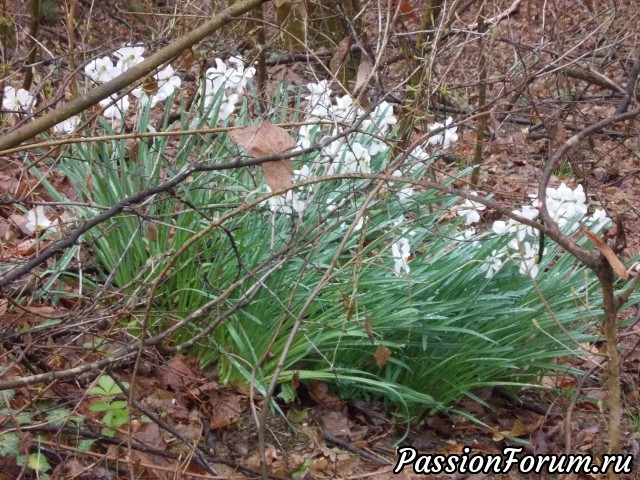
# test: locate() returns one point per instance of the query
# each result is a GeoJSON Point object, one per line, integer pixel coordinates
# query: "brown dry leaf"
{"type": "Point", "coordinates": [319, 467]}
{"type": "Point", "coordinates": [346, 464]}
{"type": "Point", "coordinates": [88, 180]}
{"type": "Point", "coordinates": [362, 77]}
{"type": "Point", "coordinates": [281, 73]}
{"type": "Point", "coordinates": [559, 135]}
{"type": "Point", "coordinates": [609, 254]}
{"type": "Point", "coordinates": [20, 221]}
{"type": "Point", "coordinates": [8, 183]}
{"type": "Point", "coordinates": [516, 430]}
{"type": "Point", "coordinates": [178, 372]}
{"type": "Point", "coordinates": [150, 85]}
{"type": "Point", "coordinates": [149, 434]}
{"type": "Point", "coordinates": [382, 355]}
{"type": "Point", "coordinates": [336, 423]}
{"type": "Point", "coordinates": [295, 381]}
{"type": "Point", "coordinates": [28, 247]}
{"type": "Point", "coordinates": [270, 456]}
{"type": "Point", "coordinates": [406, 10]}
{"type": "Point", "coordinates": [349, 306]}
{"type": "Point", "coordinates": [5, 231]}
{"type": "Point", "coordinates": [341, 55]}
{"type": "Point", "coordinates": [17, 187]}
{"type": "Point", "coordinates": [225, 408]}
{"type": "Point", "coordinates": [369, 328]}
{"type": "Point", "coordinates": [266, 140]}
{"type": "Point", "coordinates": [152, 232]}
{"type": "Point", "coordinates": [319, 392]}
{"type": "Point", "coordinates": [187, 60]}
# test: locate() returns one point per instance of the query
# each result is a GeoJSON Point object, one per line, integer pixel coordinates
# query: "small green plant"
{"type": "Point", "coordinates": [10, 442]}
{"type": "Point", "coordinates": [36, 462]}
{"type": "Point", "coordinates": [10, 447]}
{"type": "Point", "coordinates": [303, 469]}
{"type": "Point", "coordinates": [116, 412]}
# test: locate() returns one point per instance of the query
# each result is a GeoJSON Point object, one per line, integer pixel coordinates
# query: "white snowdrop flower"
{"type": "Point", "coordinates": [492, 264]}
{"type": "Point", "coordinates": [222, 76]}
{"type": "Point", "coordinates": [17, 100]}
{"type": "Point", "coordinates": [287, 203]}
{"type": "Point", "coordinates": [356, 160]}
{"type": "Point", "coordinates": [228, 106]}
{"type": "Point", "coordinates": [335, 150]}
{"type": "Point", "coordinates": [318, 89]}
{"type": "Point", "coordinates": [575, 202]}
{"type": "Point", "coordinates": [529, 213]}
{"type": "Point", "coordinates": [306, 135]}
{"type": "Point", "coordinates": [102, 70]}
{"type": "Point", "coordinates": [406, 192]}
{"type": "Point", "coordinates": [319, 97]}
{"type": "Point", "coordinates": [420, 154]}
{"type": "Point", "coordinates": [237, 61]}
{"type": "Point", "coordinates": [470, 210]}
{"type": "Point", "coordinates": [37, 221]}
{"type": "Point", "coordinates": [344, 108]}
{"type": "Point", "coordinates": [465, 235]}
{"type": "Point", "coordinates": [500, 227]}
{"type": "Point", "coordinates": [563, 202]}
{"type": "Point", "coordinates": [128, 56]}
{"type": "Point", "coordinates": [212, 93]}
{"type": "Point", "coordinates": [357, 227]}
{"type": "Point", "coordinates": [67, 126]}
{"type": "Point", "coordinates": [529, 260]}
{"type": "Point", "coordinates": [304, 173]}
{"type": "Point", "coordinates": [598, 220]}
{"type": "Point", "coordinates": [377, 146]}
{"type": "Point", "coordinates": [445, 138]}
{"type": "Point", "coordinates": [384, 117]}
{"type": "Point", "coordinates": [168, 82]}
{"type": "Point", "coordinates": [401, 251]}
{"type": "Point", "coordinates": [244, 74]}
{"type": "Point", "coordinates": [116, 109]}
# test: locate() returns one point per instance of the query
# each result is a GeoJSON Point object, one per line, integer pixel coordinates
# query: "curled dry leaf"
{"type": "Point", "coordinates": [341, 55]}
{"type": "Point", "coordinates": [382, 355]}
{"type": "Point", "coordinates": [364, 73]}
{"type": "Point", "coordinates": [608, 253]}
{"type": "Point", "coordinates": [319, 392]}
{"type": "Point", "coordinates": [266, 140]}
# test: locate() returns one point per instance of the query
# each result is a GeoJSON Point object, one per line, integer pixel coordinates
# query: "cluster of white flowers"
{"type": "Point", "coordinates": [354, 152]}
{"type": "Point", "coordinates": [566, 206]}
{"type": "Point", "coordinates": [224, 85]}
{"type": "Point", "coordinates": [287, 203]}
{"type": "Point", "coordinates": [102, 70]}
{"type": "Point", "coordinates": [351, 153]}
